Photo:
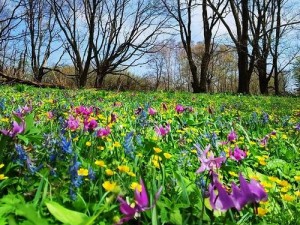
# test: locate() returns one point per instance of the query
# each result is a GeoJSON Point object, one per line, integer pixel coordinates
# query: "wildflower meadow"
{"type": "Point", "coordinates": [83, 157]}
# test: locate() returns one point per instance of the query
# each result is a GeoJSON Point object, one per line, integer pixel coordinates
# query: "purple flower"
{"type": "Point", "coordinates": [141, 203]}
{"type": "Point", "coordinates": [152, 111]}
{"type": "Point", "coordinates": [237, 154]}
{"type": "Point", "coordinates": [179, 108]}
{"type": "Point", "coordinates": [72, 123]}
{"type": "Point", "coordinates": [22, 111]}
{"type": "Point", "coordinates": [231, 137]}
{"type": "Point", "coordinates": [208, 163]}
{"type": "Point", "coordinates": [89, 125]}
{"type": "Point", "coordinates": [247, 193]}
{"type": "Point", "coordinates": [17, 128]}
{"type": "Point", "coordinates": [82, 110]}
{"type": "Point", "coordinates": [162, 131]}
{"type": "Point", "coordinates": [103, 132]}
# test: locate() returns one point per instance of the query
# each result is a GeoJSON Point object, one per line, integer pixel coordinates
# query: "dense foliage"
{"type": "Point", "coordinates": [96, 157]}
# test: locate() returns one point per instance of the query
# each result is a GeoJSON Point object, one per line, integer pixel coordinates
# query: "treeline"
{"type": "Point", "coordinates": [248, 46]}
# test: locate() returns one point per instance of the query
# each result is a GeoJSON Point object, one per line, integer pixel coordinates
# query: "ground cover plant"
{"type": "Point", "coordinates": [96, 157]}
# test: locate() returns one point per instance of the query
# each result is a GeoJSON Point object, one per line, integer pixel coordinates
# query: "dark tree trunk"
{"type": "Point", "coordinates": [242, 48]}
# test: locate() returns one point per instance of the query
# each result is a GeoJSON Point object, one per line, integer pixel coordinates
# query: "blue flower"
{"type": "Point", "coordinates": [66, 146]}
{"type": "Point", "coordinates": [128, 144]}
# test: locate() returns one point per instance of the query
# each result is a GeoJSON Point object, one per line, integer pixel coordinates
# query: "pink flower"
{"type": "Point", "coordinates": [232, 136]}
{"type": "Point", "coordinates": [89, 125]}
{"type": "Point", "coordinates": [152, 111]}
{"type": "Point", "coordinates": [162, 131]}
{"type": "Point", "coordinates": [141, 200]}
{"type": "Point", "coordinates": [72, 123]}
{"type": "Point", "coordinates": [85, 111]}
{"type": "Point", "coordinates": [237, 154]}
{"type": "Point", "coordinates": [247, 193]}
{"type": "Point", "coordinates": [103, 132]}
{"type": "Point", "coordinates": [179, 108]}
{"type": "Point", "coordinates": [17, 128]}
{"type": "Point", "coordinates": [208, 163]}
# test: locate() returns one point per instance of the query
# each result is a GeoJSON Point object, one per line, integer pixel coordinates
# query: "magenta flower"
{"type": "Point", "coordinates": [232, 136]}
{"type": "Point", "coordinates": [208, 163]}
{"type": "Point", "coordinates": [247, 193]}
{"type": "Point", "coordinates": [179, 108]}
{"type": "Point", "coordinates": [152, 111]}
{"type": "Point", "coordinates": [103, 132]}
{"type": "Point", "coordinates": [162, 131]}
{"type": "Point", "coordinates": [89, 125]}
{"type": "Point", "coordinates": [237, 154]}
{"type": "Point", "coordinates": [141, 204]}
{"type": "Point", "coordinates": [72, 123]}
{"type": "Point", "coordinates": [22, 111]}
{"type": "Point", "coordinates": [17, 128]}
{"type": "Point", "coordinates": [82, 110]}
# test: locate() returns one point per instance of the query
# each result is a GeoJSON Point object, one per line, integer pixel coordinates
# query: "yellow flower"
{"type": "Point", "coordinates": [123, 168]}
{"type": "Point", "coordinates": [262, 162]}
{"type": "Point", "coordinates": [3, 177]}
{"type": "Point", "coordinates": [261, 211]}
{"type": "Point", "coordinates": [283, 183]}
{"type": "Point", "coordinates": [137, 186]}
{"type": "Point", "coordinates": [100, 163]}
{"type": "Point", "coordinates": [4, 120]}
{"type": "Point", "coordinates": [88, 143]}
{"type": "Point", "coordinates": [266, 184]}
{"type": "Point", "coordinates": [167, 155]}
{"type": "Point", "coordinates": [117, 144]}
{"type": "Point", "coordinates": [284, 136]}
{"type": "Point", "coordinates": [75, 139]}
{"type": "Point", "coordinates": [252, 143]}
{"type": "Point", "coordinates": [194, 151]}
{"type": "Point", "coordinates": [297, 178]}
{"type": "Point", "coordinates": [233, 174]}
{"type": "Point", "coordinates": [157, 158]}
{"type": "Point", "coordinates": [110, 186]}
{"type": "Point", "coordinates": [157, 150]}
{"type": "Point", "coordinates": [132, 174]}
{"type": "Point", "coordinates": [155, 164]}
{"type": "Point", "coordinates": [109, 172]}
{"type": "Point", "coordinates": [274, 179]}
{"type": "Point", "coordinates": [288, 197]}
{"type": "Point", "coordinates": [82, 172]}
{"type": "Point", "coordinates": [1, 165]}
{"type": "Point", "coordinates": [285, 189]}
{"type": "Point", "coordinates": [100, 148]}
{"type": "Point", "coordinates": [297, 193]}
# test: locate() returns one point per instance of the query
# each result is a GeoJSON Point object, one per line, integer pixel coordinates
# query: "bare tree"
{"type": "Point", "coordinates": [76, 19]}
{"type": "Point", "coordinates": [41, 28]}
{"type": "Point", "coordinates": [181, 12]}
{"type": "Point", "coordinates": [239, 11]}
{"type": "Point", "coordinates": [125, 31]}
{"type": "Point", "coordinates": [9, 20]}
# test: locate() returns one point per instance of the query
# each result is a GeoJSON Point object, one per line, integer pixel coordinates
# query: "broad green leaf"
{"type": "Point", "coordinates": [65, 215]}
{"type": "Point", "coordinates": [175, 217]}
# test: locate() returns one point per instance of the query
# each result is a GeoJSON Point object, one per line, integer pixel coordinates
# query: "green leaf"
{"type": "Point", "coordinates": [29, 212]}
{"type": "Point", "coordinates": [175, 217]}
{"type": "Point", "coordinates": [65, 215]}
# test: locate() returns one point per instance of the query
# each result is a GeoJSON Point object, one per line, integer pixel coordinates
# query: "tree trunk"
{"type": "Point", "coordinates": [99, 80]}
{"type": "Point", "coordinates": [242, 49]}
{"type": "Point", "coordinates": [195, 82]}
